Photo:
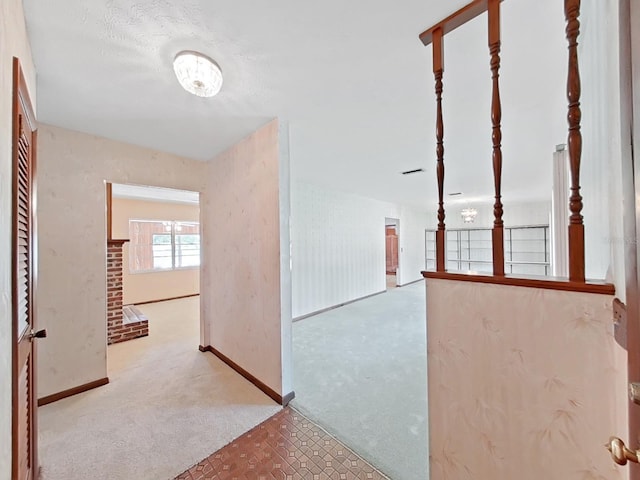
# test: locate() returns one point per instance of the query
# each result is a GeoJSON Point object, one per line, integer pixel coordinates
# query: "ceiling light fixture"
{"type": "Point", "coordinates": [197, 73]}
{"type": "Point", "coordinates": [468, 214]}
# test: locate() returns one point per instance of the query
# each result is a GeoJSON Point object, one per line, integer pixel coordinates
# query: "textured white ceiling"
{"type": "Point", "coordinates": [351, 79]}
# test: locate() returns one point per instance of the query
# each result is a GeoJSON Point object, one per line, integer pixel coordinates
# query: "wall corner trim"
{"type": "Point", "coordinates": [275, 396]}
{"type": "Point", "coordinates": [72, 391]}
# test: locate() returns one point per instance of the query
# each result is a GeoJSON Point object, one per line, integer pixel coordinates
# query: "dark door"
{"type": "Point", "coordinates": [23, 275]}
{"type": "Point", "coordinates": [391, 250]}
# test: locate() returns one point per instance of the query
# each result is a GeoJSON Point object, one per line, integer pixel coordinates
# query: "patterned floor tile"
{"type": "Point", "coordinates": [288, 446]}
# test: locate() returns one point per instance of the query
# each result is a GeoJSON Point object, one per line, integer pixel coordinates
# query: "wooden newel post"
{"type": "Point", "coordinates": [438, 70]}
{"type": "Point", "coordinates": [576, 226]}
{"type": "Point", "coordinates": [497, 234]}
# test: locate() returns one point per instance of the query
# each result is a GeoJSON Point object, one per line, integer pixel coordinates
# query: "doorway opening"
{"type": "Point", "coordinates": [167, 404]}
{"type": "Point", "coordinates": [392, 252]}
{"type": "Point", "coordinates": [152, 325]}
{"type": "Point", "coordinates": [350, 363]}
{"type": "Point", "coordinates": [153, 238]}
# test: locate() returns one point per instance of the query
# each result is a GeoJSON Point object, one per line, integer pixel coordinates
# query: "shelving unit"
{"type": "Point", "coordinates": [430, 249]}
{"type": "Point", "coordinates": [526, 250]}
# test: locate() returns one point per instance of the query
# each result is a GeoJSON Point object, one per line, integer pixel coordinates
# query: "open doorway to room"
{"type": "Point", "coordinates": [392, 251]}
{"type": "Point", "coordinates": [351, 359]}
{"type": "Point", "coordinates": [167, 405]}
{"type": "Point", "coordinates": [153, 237]}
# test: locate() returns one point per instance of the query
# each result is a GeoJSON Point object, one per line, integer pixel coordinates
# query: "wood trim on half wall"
{"type": "Point", "coordinates": [72, 391]}
{"type": "Point", "coordinates": [275, 396]}
{"type": "Point", "coordinates": [549, 283]}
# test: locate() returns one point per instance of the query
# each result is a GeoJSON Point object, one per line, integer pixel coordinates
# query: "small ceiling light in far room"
{"type": "Point", "coordinates": [197, 73]}
{"type": "Point", "coordinates": [469, 214]}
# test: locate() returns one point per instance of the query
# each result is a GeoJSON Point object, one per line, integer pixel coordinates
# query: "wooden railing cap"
{"type": "Point", "coordinates": [453, 21]}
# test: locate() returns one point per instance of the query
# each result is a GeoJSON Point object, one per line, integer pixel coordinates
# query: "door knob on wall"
{"type": "Point", "coordinates": [620, 453]}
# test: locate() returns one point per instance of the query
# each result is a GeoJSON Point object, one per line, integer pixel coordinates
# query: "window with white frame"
{"type": "Point", "coordinates": [163, 245]}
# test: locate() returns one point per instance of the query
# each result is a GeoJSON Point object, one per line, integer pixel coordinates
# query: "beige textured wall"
{"type": "Point", "coordinates": [243, 317]}
{"type": "Point", "coordinates": [72, 171]}
{"type": "Point", "coordinates": [523, 383]}
{"type": "Point", "coordinates": [13, 42]}
{"type": "Point", "coordinates": [144, 287]}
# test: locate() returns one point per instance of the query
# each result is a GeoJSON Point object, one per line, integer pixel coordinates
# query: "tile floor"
{"type": "Point", "coordinates": [288, 446]}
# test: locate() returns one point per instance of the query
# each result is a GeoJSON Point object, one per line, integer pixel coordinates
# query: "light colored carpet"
{"type": "Point", "coordinates": [167, 407]}
{"type": "Point", "coordinates": [360, 372]}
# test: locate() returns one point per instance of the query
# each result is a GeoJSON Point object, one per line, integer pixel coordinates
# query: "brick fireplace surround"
{"type": "Point", "coordinates": [119, 330]}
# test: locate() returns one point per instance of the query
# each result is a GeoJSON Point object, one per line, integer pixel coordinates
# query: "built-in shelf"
{"type": "Point", "coordinates": [526, 248]}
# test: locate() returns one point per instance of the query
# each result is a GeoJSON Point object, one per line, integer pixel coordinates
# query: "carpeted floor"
{"type": "Point", "coordinates": [167, 407]}
{"type": "Point", "coordinates": [360, 372]}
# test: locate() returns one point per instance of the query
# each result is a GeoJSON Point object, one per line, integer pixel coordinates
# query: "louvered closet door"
{"type": "Point", "coordinates": [24, 413]}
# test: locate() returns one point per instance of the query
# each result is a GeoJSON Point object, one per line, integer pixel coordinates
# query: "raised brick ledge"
{"type": "Point", "coordinates": [129, 331]}
{"type": "Point", "coordinates": [121, 326]}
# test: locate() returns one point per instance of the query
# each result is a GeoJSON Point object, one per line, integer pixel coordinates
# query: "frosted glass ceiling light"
{"type": "Point", "coordinates": [197, 74]}
{"type": "Point", "coordinates": [468, 214]}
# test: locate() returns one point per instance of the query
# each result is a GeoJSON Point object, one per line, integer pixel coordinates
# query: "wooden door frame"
{"type": "Point", "coordinates": [21, 101]}
{"type": "Point", "coordinates": [396, 224]}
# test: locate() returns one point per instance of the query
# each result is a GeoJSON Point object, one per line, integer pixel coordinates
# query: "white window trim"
{"type": "Point", "coordinates": [173, 246]}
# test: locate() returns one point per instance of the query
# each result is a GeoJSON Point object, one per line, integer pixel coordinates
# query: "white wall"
{"type": "Point", "coordinates": [285, 256]}
{"type": "Point", "coordinates": [515, 214]}
{"type": "Point", "coordinates": [601, 173]}
{"type": "Point", "coordinates": [413, 223]}
{"type": "Point", "coordinates": [241, 280]}
{"type": "Point", "coordinates": [71, 219]}
{"type": "Point", "coordinates": [338, 246]}
{"type": "Point", "coordinates": [13, 42]}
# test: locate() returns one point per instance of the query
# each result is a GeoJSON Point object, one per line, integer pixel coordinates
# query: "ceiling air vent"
{"type": "Point", "coordinates": [409, 172]}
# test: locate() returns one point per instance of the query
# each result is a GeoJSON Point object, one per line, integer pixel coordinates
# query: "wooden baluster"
{"type": "Point", "coordinates": [438, 70]}
{"type": "Point", "coordinates": [497, 234]}
{"type": "Point", "coordinates": [576, 226]}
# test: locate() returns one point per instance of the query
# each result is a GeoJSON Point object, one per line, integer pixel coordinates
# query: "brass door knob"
{"type": "Point", "coordinates": [620, 453]}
